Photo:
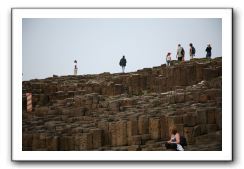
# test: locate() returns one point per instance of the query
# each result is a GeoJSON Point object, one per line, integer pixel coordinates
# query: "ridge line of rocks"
{"type": "Point", "coordinates": [131, 111]}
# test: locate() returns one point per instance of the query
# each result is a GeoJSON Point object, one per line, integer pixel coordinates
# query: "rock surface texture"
{"type": "Point", "coordinates": [126, 112]}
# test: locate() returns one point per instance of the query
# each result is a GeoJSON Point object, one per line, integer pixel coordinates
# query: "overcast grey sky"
{"type": "Point", "coordinates": [50, 46]}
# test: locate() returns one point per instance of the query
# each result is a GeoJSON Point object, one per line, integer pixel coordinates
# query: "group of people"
{"type": "Point", "coordinates": [180, 54]}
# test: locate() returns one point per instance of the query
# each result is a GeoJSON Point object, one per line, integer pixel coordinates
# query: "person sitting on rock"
{"type": "Point", "coordinates": [174, 142]}
{"type": "Point", "coordinates": [122, 63]}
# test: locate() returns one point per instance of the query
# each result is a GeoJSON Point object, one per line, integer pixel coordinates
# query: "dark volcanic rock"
{"type": "Point", "coordinates": [130, 111]}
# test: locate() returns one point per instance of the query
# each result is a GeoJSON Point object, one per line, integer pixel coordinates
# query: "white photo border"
{"type": "Point", "coordinates": [16, 51]}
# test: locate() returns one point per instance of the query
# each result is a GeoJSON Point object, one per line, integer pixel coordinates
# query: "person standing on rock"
{"type": "Point", "coordinates": [180, 54]}
{"type": "Point", "coordinates": [192, 51]}
{"type": "Point", "coordinates": [174, 142]}
{"type": "Point", "coordinates": [168, 58]}
{"type": "Point", "coordinates": [122, 63]}
{"type": "Point", "coordinates": [209, 51]}
{"type": "Point", "coordinates": [75, 67]}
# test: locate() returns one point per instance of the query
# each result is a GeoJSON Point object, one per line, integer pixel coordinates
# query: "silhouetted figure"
{"type": "Point", "coordinates": [168, 58]}
{"type": "Point", "coordinates": [180, 53]}
{"type": "Point", "coordinates": [122, 63]}
{"type": "Point", "coordinates": [192, 51]}
{"type": "Point", "coordinates": [75, 67]}
{"type": "Point", "coordinates": [209, 51]}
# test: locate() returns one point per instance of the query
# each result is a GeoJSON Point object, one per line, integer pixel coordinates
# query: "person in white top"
{"type": "Point", "coordinates": [192, 51]}
{"type": "Point", "coordinates": [168, 58]}
{"type": "Point", "coordinates": [180, 54]}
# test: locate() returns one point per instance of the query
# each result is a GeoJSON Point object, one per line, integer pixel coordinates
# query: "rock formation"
{"type": "Point", "coordinates": [129, 111]}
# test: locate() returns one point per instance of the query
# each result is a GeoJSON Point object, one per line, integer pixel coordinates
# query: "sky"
{"type": "Point", "coordinates": [50, 46]}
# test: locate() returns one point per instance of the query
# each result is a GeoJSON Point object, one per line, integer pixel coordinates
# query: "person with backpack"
{"type": "Point", "coordinates": [209, 51]}
{"type": "Point", "coordinates": [175, 140]}
{"type": "Point", "coordinates": [192, 51]}
{"type": "Point", "coordinates": [122, 63]}
{"type": "Point", "coordinates": [180, 54]}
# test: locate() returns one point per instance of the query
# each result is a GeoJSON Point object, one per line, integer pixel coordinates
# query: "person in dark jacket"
{"type": "Point", "coordinates": [122, 63]}
{"type": "Point", "coordinates": [209, 51]}
{"type": "Point", "coordinates": [192, 51]}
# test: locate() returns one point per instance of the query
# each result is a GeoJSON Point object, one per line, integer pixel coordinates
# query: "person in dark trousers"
{"type": "Point", "coordinates": [192, 51]}
{"type": "Point", "coordinates": [75, 64]}
{"type": "Point", "coordinates": [180, 54]}
{"type": "Point", "coordinates": [209, 51]}
{"type": "Point", "coordinates": [174, 142]}
{"type": "Point", "coordinates": [122, 63]}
